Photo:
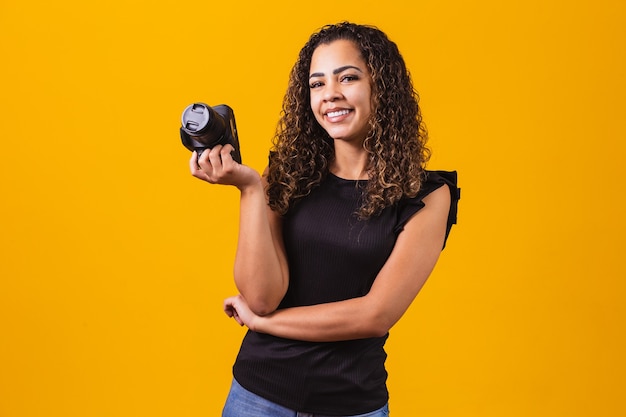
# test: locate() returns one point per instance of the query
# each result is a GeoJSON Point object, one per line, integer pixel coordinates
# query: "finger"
{"type": "Point", "coordinates": [193, 162]}
{"type": "Point", "coordinates": [229, 307]}
{"type": "Point", "coordinates": [237, 318]}
{"type": "Point", "coordinates": [196, 170]}
{"type": "Point", "coordinates": [203, 160]}
{"type": "Point", "coordinates": [226, 152]}
{"type": "Point", "coordinates": [214, 157]}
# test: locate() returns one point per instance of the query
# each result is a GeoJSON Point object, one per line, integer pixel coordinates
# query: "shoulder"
{"type": "Point", "coordinates": [438, 196]}
{"type": "Point", "coordinates": [436, 179]}
{"type": "Point", "coordinates": [438, 199]}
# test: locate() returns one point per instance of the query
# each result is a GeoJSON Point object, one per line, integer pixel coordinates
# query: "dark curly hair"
{"type": "Point", "coordinates": [396, 142]}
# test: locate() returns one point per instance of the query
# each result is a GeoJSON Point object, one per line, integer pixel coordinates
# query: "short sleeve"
{"type": "Point", "coordinates": [433, 180]}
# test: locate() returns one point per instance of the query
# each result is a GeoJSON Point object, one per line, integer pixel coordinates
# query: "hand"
{"type": "Point", "coordinates": [217, 166]}
{"type": "Point", "coordinates": [237, 308]}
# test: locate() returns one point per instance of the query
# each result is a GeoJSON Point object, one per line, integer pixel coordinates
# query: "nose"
{"type": "Point", "coordinates": [332, 91]}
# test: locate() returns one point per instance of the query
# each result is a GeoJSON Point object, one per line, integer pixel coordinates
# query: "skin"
{"type": "Point", "coordinates": [339, 81]}
{"type": "Point", "coordinates": [260, 271]}
{"type": "Point", "coordinates": [341, 102]}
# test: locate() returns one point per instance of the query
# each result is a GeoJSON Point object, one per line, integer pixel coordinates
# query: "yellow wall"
{"type": "Point", "coordinates": [114, 260]}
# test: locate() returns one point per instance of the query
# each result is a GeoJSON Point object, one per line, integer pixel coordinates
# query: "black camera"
{"type": "Point", "coordinates": [203, 127]}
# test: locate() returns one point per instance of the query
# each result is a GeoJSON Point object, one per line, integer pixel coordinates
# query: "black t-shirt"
{"type": "Point", "coordinates": [332, 256]}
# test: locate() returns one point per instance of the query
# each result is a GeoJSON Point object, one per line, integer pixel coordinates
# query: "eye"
{"type": "Point", "coordinates": [315, 84]}
{"type": "Point", "coordinates": [349, 77]}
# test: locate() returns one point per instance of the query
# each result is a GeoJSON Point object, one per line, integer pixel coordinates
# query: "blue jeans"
{"type": "Point", "coordinates": [243, 403]}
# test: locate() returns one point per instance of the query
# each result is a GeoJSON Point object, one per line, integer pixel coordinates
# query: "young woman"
{"type": "Point", "coordinates": [339, 234]}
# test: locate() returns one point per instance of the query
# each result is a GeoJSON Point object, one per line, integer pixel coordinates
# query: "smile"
{"type": "Point", "coordinates": [337, 113]}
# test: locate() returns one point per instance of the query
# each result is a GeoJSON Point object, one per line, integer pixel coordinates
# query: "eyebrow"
{"type": "Point", "coordinates": [336, 71]}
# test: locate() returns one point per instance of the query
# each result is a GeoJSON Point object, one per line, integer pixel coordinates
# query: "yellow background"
{"type": "Point", "coordinates": [114, 260]}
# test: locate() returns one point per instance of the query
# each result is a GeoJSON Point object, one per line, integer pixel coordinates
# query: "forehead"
{"type": "Point", "coordinates": [335, 54]}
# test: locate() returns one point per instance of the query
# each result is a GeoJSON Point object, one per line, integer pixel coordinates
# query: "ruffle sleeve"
{"type": "Point", "coordinates": [433, 180]}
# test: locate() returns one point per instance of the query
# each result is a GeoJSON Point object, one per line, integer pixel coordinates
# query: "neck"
{"type": "Point", "coordinates": [350, 162]}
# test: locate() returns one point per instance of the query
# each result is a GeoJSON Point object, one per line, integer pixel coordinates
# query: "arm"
{"type": "Point", "coordinates": [260, 270]}
{"type": "Point", "coordinates": [397, 284]}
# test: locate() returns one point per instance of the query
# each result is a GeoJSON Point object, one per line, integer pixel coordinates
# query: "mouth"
{"type": "Point", "coordinates": [337, 113]}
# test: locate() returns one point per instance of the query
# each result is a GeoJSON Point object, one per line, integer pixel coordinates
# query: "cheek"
{"type": "Point", "coordinates": [365, 99]}
{"type": "Point", "coordinates": [315, 103]}
{"type": "Point", "coordinates": [366, 103]}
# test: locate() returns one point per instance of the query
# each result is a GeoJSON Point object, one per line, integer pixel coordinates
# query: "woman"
{"type": "Point", "coordinates": [339, 234]}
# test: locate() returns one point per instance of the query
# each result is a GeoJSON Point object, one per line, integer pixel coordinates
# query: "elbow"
{"type": "Point", "coordinates": [373, 330]}
{"type": "Point", "coordinates": [261, 301]}
{"type": "Point", "coordinates": [262, 310]}
{"type": "Point", "coordinates": [378, 328]}
{"type": "Point", "coordinates": [261, 306]}
{"type": "Point", "coordinates": [376, 323]}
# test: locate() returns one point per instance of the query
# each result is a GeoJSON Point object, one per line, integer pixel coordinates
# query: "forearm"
{"type": "Point", "coordinates": [397, 284]}
{"type": "Point", "coordinates": [356, 318]}
{"type": "Point", "coordinates": [259, 274]}
{"type": "Point", "coordinates": [260, 267]}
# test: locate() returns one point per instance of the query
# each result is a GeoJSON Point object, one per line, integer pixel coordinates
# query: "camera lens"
{"type": "Point", "coordinates": [203, 124]}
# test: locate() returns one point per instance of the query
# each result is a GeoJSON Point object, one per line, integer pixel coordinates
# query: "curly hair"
{"type": "Point", "coordinates": [396, 142]}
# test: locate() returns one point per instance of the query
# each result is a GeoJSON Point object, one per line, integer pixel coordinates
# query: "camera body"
{"type": "Point", "coordinates": [204, 127]}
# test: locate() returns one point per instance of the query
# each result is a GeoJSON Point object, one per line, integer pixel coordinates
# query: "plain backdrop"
{"type": "Point", "coordinates": [114, 261]}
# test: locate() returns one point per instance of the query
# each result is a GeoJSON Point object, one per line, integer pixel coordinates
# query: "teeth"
{"type": "Point", "coordinates": [337, 113]}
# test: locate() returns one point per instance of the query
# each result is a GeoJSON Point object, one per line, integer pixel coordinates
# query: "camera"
{"type": "Point", "coordinates": [204, 127]}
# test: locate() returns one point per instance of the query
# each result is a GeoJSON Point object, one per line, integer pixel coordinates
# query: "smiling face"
{"type": "Point", "coordinates": [341, 90]}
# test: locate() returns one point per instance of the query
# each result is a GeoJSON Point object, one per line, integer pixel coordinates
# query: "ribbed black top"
{"type": "Point", "coordinates": [332, 257]}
